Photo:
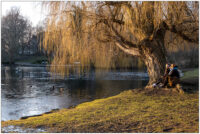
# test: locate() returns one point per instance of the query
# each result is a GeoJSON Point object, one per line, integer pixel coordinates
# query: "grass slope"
{"type": "Point", "coordinates": [130, 111]}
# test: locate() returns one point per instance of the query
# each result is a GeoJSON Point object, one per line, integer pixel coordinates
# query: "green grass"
{"type": "Point", "coordinates": [127, 112]}
{"type": "Point", "coordinates": [190, 74]}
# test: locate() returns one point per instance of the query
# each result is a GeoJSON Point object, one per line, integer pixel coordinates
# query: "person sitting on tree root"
{"type": "Point", "coordinates": [174, 76]}
{"type": "Point", "coordinates": [164, 80]}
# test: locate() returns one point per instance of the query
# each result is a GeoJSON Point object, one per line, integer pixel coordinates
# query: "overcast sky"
{"type": "Point", "coordinates": [32, 10]}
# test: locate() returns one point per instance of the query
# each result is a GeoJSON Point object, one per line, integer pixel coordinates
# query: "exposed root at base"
{"type": "Point", "coordinates": [160, 91]}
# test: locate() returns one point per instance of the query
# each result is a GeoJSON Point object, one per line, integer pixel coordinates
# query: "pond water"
{"type": "Point", "coordinates": [27, 91]}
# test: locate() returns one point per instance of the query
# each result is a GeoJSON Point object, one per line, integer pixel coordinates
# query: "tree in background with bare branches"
{"type": "Point", "coordinates": [15, 33]}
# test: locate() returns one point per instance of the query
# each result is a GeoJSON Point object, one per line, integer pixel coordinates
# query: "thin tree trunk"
{"type": "Point", "coordinates": [22, 50]}
{"type": "Point", "coordinates": [10, 58]}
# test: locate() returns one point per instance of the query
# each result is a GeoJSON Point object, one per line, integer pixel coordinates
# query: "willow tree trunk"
{"type": "Point", "coordinates": [153, 53]}
{"type": "Point", "coordinates": [154, 56]}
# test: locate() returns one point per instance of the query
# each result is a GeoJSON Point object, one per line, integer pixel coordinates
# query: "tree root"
{"type": "Point", "coordinates": [150, 90]}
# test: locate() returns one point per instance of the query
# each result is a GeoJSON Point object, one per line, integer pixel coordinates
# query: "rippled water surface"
{"type": "Point", "coordinates": [27, 91]}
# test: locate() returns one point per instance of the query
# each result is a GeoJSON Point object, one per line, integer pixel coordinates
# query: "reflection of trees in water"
{"type": "Point", "coordinates": [18, 80]}
{"type": "Point", "coordinates": [101, 88]}
{"type": "Point", "coordinates": [79, 88]}
{"type": "Point", "coordinates": [22, 81]}
{"type": "Point", "coordinates": [107, 88]}
{"type": "Point", "coordinates": [13, 85]}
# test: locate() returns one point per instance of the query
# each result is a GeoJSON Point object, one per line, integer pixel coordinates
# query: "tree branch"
{"type": "Point", "coordinates": [127, 43]}
{"type": "Point", "coordinates": [181, 34]}
{"type": "Point", "coordinates": [130, 51]}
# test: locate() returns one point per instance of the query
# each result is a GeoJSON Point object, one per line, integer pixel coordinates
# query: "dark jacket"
{"type": "Point", "coordinates": [174, 72]}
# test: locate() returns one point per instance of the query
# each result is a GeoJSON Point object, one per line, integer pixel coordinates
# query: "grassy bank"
{"type": "Point", "coordinates": [129, 111]}
{"type": "Point", "coordinates": [191, 73]}
{"type": "Point", "coordinates": [191, 77]}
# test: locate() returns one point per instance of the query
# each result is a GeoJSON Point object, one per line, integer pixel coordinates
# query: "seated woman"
{"type": "Point", "coordinates": [174, 76]}
{"type": "Point", "coordinates": [171, 76]}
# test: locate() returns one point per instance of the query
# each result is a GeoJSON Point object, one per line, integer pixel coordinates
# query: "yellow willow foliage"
{"type": "Point", "coordinates": [143, 18]}
{"type": "Point", "coordinates": [83, 31]}
{"type": "Point", "coordinates": [70, 38]}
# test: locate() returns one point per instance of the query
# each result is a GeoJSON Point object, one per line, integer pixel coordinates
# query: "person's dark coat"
{"type": "Point", "coordinates": [174, 72]}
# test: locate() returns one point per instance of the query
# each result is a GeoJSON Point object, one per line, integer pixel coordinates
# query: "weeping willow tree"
{"type": "Point", "coordinates": [94, 33]}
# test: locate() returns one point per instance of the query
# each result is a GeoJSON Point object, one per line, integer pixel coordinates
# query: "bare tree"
{"type": "Point", "coordinates": [14, 31]}
{"type": "Point", "coordinates": [93, 32]}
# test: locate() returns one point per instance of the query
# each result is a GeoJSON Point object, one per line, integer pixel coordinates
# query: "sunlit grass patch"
{"type": "Point", "coordinates": [189, 74]}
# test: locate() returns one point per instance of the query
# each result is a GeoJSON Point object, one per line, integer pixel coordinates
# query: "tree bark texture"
{"type": "Point", "coordinates": [153, 52]}
{"type": "Point", "coordinates": [154, 56]}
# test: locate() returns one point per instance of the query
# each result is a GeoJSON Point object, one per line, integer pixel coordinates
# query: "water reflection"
{"type": "Point", "coordinates": [32, 90]}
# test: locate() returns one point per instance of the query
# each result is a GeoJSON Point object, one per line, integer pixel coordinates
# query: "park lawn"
{"type": "Point", "coordinates": [191, 74]}
{"type": "Point", "coordinates": [191, 77]}
{"type": "Point", "coordinates": [130, 111]}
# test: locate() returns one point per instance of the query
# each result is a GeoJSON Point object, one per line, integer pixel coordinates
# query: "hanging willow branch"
{"type": "Point", "coordinates": [93, 32]}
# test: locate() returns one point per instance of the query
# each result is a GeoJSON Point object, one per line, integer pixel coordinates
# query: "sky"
{"type": "Point", "coordinates": [31, 10]}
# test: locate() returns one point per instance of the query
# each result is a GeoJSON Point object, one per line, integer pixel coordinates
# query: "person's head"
{"type": "Point", "coordinates": [172, 66]}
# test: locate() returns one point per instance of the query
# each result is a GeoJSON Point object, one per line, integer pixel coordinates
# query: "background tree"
{"type": "Point", "coordinates": [14, 34]}
{"type": "Point", "coordinates": [28, 33]}
{"type": "Point", "coordinates": [94, 32]}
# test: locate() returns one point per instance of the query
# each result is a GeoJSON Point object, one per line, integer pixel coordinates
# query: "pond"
{"type": "Point", "coordinates": [27, 91]}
